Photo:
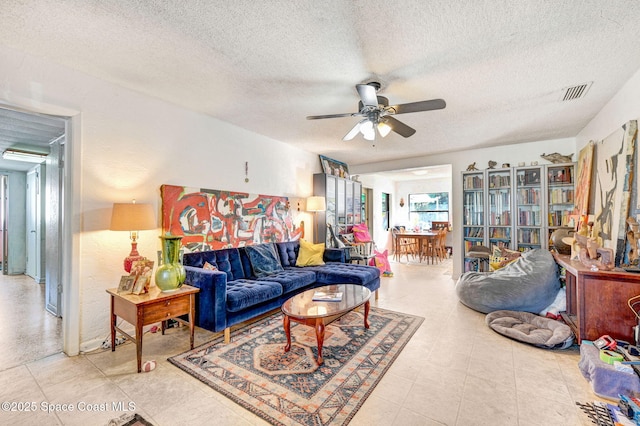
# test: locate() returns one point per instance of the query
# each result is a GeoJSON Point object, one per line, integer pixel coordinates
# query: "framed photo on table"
{"type": "Point", "coordinates": [141, 271]}
{"type": "Point", "coordinates": [126, 284]}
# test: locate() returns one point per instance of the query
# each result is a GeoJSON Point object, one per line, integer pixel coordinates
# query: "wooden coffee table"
{"type": "Point", "coordinates": [302, 309]}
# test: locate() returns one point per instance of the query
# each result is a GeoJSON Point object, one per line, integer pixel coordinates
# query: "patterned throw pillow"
{"type": "Point", "coordinates": [361, 233]}
{"type": "Point", "coordinates": [503, 256]}
{"type": "Point", "coordinates": [209, 267]}
{"type": "Point", "coordinates": [264, 260]}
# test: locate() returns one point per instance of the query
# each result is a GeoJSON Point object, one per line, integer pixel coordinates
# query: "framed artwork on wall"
{"type": "Point", "coordinates": [334, 167]}
{"type": "Point", "coordinates": [532, 176]}
{"type": "Point", "coordinates": [211, 219]}
{"type": "Point", "coordinates": [614, 166]}
{"type": "Point", "coordinates": [583, 181]}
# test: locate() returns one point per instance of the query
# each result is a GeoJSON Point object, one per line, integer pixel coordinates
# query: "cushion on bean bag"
{"type": "Point", "coordinates": [529, 284]}
{"type": "Point", "coordinates": [531, 328]}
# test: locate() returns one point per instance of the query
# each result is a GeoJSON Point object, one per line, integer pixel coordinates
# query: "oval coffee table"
{"type": "Point", "coordinates": [302, 309]}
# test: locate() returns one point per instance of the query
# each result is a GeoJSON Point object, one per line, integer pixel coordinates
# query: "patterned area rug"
{"type": "Point", "coordinates": [290, 388]}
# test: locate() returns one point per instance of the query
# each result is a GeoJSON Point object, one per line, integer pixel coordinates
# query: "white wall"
{"type": "Point", "coordinates": [624, 106]}
{"type": "Point", "coordinates": [459, 161]}
{"type": "Point", "coordinates": [130, 144]}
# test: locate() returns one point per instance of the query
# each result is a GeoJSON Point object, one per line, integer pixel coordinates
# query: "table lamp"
{"type": "Point", "coordinates": [132, 217]}
{"type": "Point", "coordinates": [316, 204]}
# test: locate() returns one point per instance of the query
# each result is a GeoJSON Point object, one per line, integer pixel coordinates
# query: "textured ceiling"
{"type": "Point", "coordinates": [264, 66]}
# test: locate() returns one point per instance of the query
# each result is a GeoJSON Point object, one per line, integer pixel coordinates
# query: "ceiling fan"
{"type": "Point", "coordinates": [378, 114]}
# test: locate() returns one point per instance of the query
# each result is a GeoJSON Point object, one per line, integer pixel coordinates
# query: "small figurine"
{"type": "Point", "coordinates": [556, 158]}
{"type": "Point", "coordinates": [471, 167]}
{"type": "Point", "coordinates": [492, 164]}
{"type": "Point", "coordinates": [592, 256]}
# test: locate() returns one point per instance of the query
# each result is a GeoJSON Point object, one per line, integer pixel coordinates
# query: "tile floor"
{"type": "Point", "coordinates": [454, 371]}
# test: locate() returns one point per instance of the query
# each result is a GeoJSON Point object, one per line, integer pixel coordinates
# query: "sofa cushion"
{"type": "Point", "coordinates": [292, 279]}
{"type": "Point", "coordinates": [226, 260]}
{"type": "Point", "coordinates": [310, 254]}
{"type": "Point", "coordinates": [242, 294]}
{"type": "Point", "coordinates": [288, 252]}
{"type": "Point", "coordinates": [264, 259]}
{"type": "Point", "coordinates": [345, 273]}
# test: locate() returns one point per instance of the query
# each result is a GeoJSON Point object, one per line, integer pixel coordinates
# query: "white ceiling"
{"type": "Point", "coordinates": [501, 66]}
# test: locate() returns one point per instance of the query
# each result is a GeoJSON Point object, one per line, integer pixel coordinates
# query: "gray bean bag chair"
{"type": "Point", "coordinates": [529, 284]}
{"type": "Point", "coordinates": [530, 328]}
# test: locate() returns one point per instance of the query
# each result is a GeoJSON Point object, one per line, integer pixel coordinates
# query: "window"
{"type": "Point", "coordinates": [428, 207]}
{"type": "Point", "coordinates": [385, 211]}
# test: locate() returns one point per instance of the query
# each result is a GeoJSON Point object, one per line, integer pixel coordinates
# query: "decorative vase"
{"type": "Point", "coordinates": [170, 273]}
{"type": "Point", "coordinates": [556, 239]}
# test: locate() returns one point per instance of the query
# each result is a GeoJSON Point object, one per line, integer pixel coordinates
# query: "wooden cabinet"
{"type": "Point", "coordinates": [597, 301]}
{"type": "Point", "coordinates": [343, 204]}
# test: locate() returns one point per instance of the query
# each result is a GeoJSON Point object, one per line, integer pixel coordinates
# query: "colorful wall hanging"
{"type": "Point", "coordinates": [614, 166]}
{"type": "Point", "coordinates": [210, 219]}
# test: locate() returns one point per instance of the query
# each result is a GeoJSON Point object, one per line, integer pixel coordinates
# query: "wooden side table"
{"type": "Point", "coordinates": [145, 309]}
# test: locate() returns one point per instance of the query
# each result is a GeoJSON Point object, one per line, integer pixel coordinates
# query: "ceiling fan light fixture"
{"type": "Point", "coordinates": [367, 130]}
{"type": "Point", "coordinates": [383, 128]}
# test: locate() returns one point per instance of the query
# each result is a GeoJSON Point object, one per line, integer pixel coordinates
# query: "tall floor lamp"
{"type": "Point", "coordinates": [316, 204]}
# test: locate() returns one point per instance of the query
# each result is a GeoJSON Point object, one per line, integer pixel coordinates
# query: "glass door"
{"type": "Point", "coordinates": [561, 189]}
{"type": "Point", "coordinates": [499, 207]}
{"type": "Point", "coordinates": [529, 206]}
{"type": "Point", "coordinates": [473, 215]}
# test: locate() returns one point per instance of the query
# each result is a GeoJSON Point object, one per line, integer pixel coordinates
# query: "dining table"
{"type": "Point", "coordinates": [421, 237]}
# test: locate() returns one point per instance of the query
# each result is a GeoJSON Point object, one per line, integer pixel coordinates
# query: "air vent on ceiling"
{"type": "Point", "coordinates": [575, 92]}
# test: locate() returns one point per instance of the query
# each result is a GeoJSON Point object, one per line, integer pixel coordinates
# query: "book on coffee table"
{"type": "Point", "coordinates": [321, 296]}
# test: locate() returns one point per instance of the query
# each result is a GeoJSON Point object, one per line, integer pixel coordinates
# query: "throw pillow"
{"type": "Point", "coordinates": [310, 254]}
{"type": "Point", "coordinates": [209, 267]}
{"type": "Point", "coordinates": [264, 260]}
{"type": "Point", "coordinates": [499, 262]}
{"type": "Point", "coordinates": [361, 233]}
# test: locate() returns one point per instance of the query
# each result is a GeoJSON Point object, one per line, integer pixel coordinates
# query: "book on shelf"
{"type": "Point", "coordinates": [323, 296]}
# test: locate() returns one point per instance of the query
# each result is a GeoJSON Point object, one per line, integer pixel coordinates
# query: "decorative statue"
{"type": "Point", "coordinates": [589, 253]}
{"type": "Point", "coordinates": [556, 158]}
{"type": "Point", "coordinates": [492, 164]}
{"type": "Point", "coordinates": [471, 167]}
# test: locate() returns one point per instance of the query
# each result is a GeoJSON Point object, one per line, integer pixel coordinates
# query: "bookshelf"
{"type": "Point", "coordinates": [517, 208]}
{"type": "Point", "coordinates": [529, 207]}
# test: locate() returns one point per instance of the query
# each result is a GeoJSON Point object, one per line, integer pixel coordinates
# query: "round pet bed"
{"type": "Point", "coordinates": [531, 328]}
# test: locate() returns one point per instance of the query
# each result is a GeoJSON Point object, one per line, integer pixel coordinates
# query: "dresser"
{"type": "Point", "coordinates": [597, 301]}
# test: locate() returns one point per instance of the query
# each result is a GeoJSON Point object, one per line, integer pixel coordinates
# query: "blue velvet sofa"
{"type": "Point", "coordinates": [233, 294]}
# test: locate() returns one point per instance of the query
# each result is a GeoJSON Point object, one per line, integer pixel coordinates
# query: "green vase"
{"type": "Point", "coordinates": [170, 273]}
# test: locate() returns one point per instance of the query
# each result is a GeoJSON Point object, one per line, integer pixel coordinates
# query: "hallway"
{"type": "Point", "coordinates": [28, 332]}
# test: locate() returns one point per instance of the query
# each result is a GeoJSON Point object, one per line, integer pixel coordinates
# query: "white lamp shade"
{"type": "Point", "coordinates": [132, 217]}
{"type": "Point", "coordinates": [316, 204]}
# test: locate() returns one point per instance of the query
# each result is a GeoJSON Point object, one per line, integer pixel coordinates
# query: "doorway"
{"type": "Point", "coordinates": [30, 219]}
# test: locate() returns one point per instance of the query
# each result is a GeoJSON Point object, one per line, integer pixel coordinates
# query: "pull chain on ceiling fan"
{"type": "Point", "coordinates": [377, 113]}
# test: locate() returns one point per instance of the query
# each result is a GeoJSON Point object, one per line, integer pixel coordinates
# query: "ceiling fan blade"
{"type": "Point", "coordinates": [431, 105]}
{"type": "Point", "coordinates": [353, 132]}
{"type": "Point", "coordinates": [317, 117]}
{"type": "Point", "coordinates": [367, 94]}
{"type": "Point", "coordinates": [398, 126]}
